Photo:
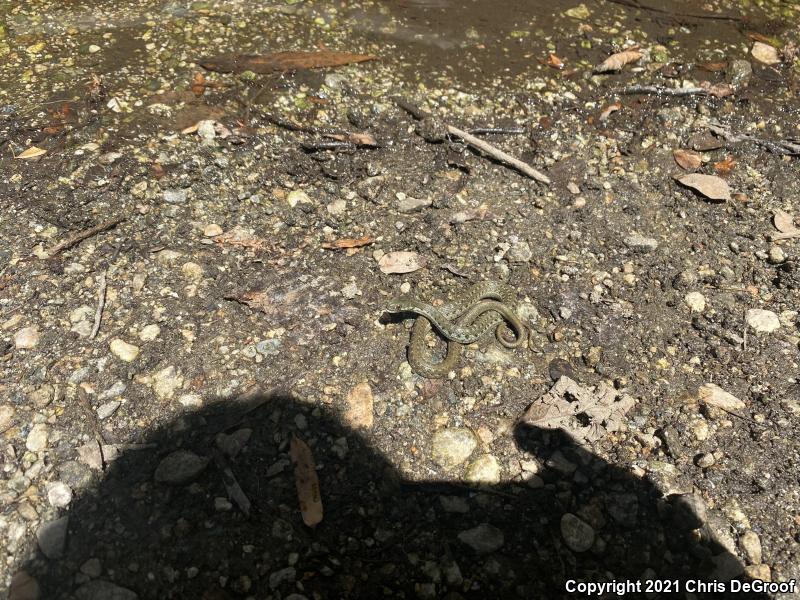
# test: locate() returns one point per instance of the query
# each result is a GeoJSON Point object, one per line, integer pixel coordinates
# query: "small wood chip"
{"type": "Point", "coordinates": [615, 62]}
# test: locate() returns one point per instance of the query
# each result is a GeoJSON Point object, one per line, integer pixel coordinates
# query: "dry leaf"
{"type": "Point", "coordinates": [611, 108]}
{"type": "Point", "coordinates": [306, 481]}
{"type": "Point", "coordinates": [587, 414]}
{"type": "Point", "coordinates": [198, 84]}
{"type": "Point", "coordinates": [401, 262]}
{"type": "Point", "coordinates": [687, 159]}
{"type": "Point", "coordinates": [281, 61]}
{"type": "Point", "coordinates": [359, 406]}
{"type": "Point", "coordinates": [191, 128]}
{"type": "Point", "coordinates": [31, 152]}
{"type": "Point", "coordinates": [723, 167]}
{"type": "Point", "coordinates": [552, 61]}
{"type": "Point", "coordinates": [345, 243]}
{"type": "Point", "coordinates": [239, 236]}
{"type": "Point", "coordinates": [783, 221]}
{"type": "Point", "coordinates": [713, 67]}
{"type": "Point", "coordinates": [616, 61]}
{"type": "Point", "coordinates": [710, 186]}
{"type": "Point", "coordinates": [765, 53]}
{"type": "Point", "coordinates": [359, 139]}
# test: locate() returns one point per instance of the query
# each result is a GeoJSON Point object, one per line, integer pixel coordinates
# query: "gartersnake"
{"type": "Point", "coordinates": [486, 306]}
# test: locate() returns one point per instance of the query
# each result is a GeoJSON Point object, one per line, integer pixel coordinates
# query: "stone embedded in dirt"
{"type": "Point", "coordinates": [484, 469]}
{"type": "Point", "coordinates": [705, 460]}
{"type": "Point", "coordinates": [150, 332]}
{"type": "Point", "coordinates": [166, 381]}
{"type": "Point", "coordinates": [59, 494]}
{"type": "Point", "coordinates": [7, 413]}
{"type": "Point", "coordinates": [641, 243]}
{"type": "Point", "coordinates": [26, 338]}
{"type": "Point", "coordinates": [52, 537]}
{"type": "Point", "coordinates": [114, 391]}
{"type": "Point", "coordinates": [765, 53]}
{"type": "Point", "coordinates": [578, 535]}
{"type": "Point", "coordinates": [451, 447]}
{"type": "Point", "coordinates": [281, 576]}
{"type": "Point", "coordinates": [407, 204]}
{"type": "Point", "coordinates": [37, 438]}
{"type": "Point", "coordinates": [713, 395]}
{"type": "Point", "coordinates": [106, 410]}
{"type": "Point", "coordinates": [123, 350]}
{"type": "Point", "coordinates": [212, 230]}
{"type": "Point", "coordinates": [100, 589]}
{"type": "Point", "coordinates": [92, 568]}
{"type": "Point", "coordinates": [695, 301]}
{"type": "Point", "coordinates": [483, 539]}
{"type": "Point", "coordinates": [760, 572]}
{"type": "Point", "coordinates": [180, 467]}
{"type": "Point", "coordinates": [296, 197]}
{"type": "Point", "coordinates": [750, 544]}
{"type": "Point", "coordinates": [24, 587]}
{"type": "Point", "coordinates": [762, 321]}
{"type": "Point", "coordinates": [689, 510]}
{"type": "Point", "coordinates": [739, 72]}
{"type": "Point", "coordinates": [520, 252]}
{"type": "Point", "coordinates": [560, 463]}
{"type": "Point", "coordinates": [359, 408]}
{"type": "Point", "coordinates": [175, 196]}
{"type": "Point", "coordinates": [776, 255]}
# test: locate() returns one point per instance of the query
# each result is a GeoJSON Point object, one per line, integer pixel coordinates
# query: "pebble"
{"type": "Point", "coordinates": [59, 494]}
{"type": "Point", "coordinates": [285, 575]}
{"type": "Point", "coordinates": [222, 504]}
{"type": "Point", "coordinates": [180, 467]}
{"type": "Point", "coordinates": [92, 568]}
{"type": "Point", "coordinates": [751, 546]}
{"type": "Point", "coordinates": [578, 535]}
{"type": "Point", "coordinates": [212, 230]}
{"type": "Point", "coordinates": [453, 446]}
{"type": "Point", "coordinates": [689, 510]}
{"type": "Point", "coordinates": [407, 204]}
{"type": "Point", "coordinates": [123, 350]}
{"type": "Point", "coordinates": [483, 539]}
{"type": "Point", "coordinates": [26, 338]}
{"type": "Point", "coordinates": [114, 391]}
{"type": "Point", "coordinates": [359, 407]}
{"type": "Point", "coordinates": [37, 438]}
{"type": "Point", "coordinates": [166, 381]}
{"type": "Point", "coordinates": [152, 331]}
{"type": "Point", "coordinates": [561, 463]}
{"type": "Point", "coordinates": [715, 396]}
{"type": "Point", "coordinates": [24, 587]}
{"type": "Point", "coordinates": [705, 460]}
{"type": "Point", "coordinates": [695, 301]}
{"type": "Point", "coordinates": [175, 196]}
{"type": "Point", "coordinates": [776, 255]}
{"type": "Point", "coordinates": [7, 413]}
{"type": "Point", "coordinates": [295, 197]}
{"type": "Point", "coordinates": [762, 321]}
{"type": "Point", "coordinates": [337, 207]}
{"type": "Point", "coordinates": [206, 131]}
{"type": "Point", "coordinates": [484, 469]}
{"type": "Point", "coordinates": [52, 537]}
{"type": "Point", "coordinates": [739, 72]}
{"type": "Point", "coordinates": [454, 504]}
{"type": "Point", "coordinates": [520, 252]}
{"type": "Point", "coordinates": [760, 572]}
{"type": "Point", "coordinates": [641, 243]}
{"type": "Point", "coordinates": [99, 589]}
{"type": "Point", "coordinates": [106, 410]}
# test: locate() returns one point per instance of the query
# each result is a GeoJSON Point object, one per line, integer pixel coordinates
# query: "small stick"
{"type": "Point", "coordinates": [478, 143]}
{"type": "Point", "coordinates": [497, 131]}
{"type": "Point", "coordinates": [82, 235]}
{"type": "Point", "coordinates": [776, 147]}
{"type": "Point", "coordinates": [327, 145]}
{"type": "Point", "coordinates": [784, 235]}
{"type": "Point", "coordinates": [232, 486]}
{"type": "Point", "coordinates": [665, 91]}
{"type": "Point", "coordinates": [101, 302]}
{"type": "Point", "coordinates": [663, 11]}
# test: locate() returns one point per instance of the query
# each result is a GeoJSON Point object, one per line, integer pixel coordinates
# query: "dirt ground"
{"type": "Point", "coordinates": [195, 267]}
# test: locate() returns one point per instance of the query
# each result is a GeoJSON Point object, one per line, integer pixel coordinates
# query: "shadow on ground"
{"type": "Point", "coordinates": [381, 536]}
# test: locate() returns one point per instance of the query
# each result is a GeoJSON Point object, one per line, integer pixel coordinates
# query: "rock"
{"type": "Point", "coordinates": [623, 508]}
{"type": "Point", "coordinates": [222, 504]}
{"type": "Point", "coordinates": [123, 350]}
{"type": "Point", "coordinates": [92, 568]}
{"type": "Point", "coordinates": [451, 447]}
{"type": "Point", "coordinates": [578, 535]}
{"type": "Point", "coordinates": [99, 589]}
{"type": "Point", "coordinates": [695, 301]}
{"type": "Point", "coordinates": [106, 410]}
{"type": "Point", "coordinates": [26, 338]}
{"type": "Point", "coordinates": [484, 469]}
{"type": "Point", "coordinates": [483, 539]}
{"type": "Point", "coordinates": [175, 196]}
{"type": "Point", "coordinates": [37, 438]}
{"type": "Point", "coordinates": [689, 510]}
{"type": "Point", "coordinates": [751, 546]}
{"type": "Point", "coordinates": [407, 204]}
{"type": "Point", "coordinates": [454, 504]}
{"type": "Point", "coordinates": [166, 381]}
{"type": "Point", "coordinates": [7, 413]}
{"type": "Point", "coordinates": [59, 494]}
{"type": "Point", "coordinates": [114, 391]}
{"type": "Point", "coordinates": [296, 197]}
{"type": "Point", "coordinates": [725, 567]}
{"type": "Point", "coordinates": [206, 131]}
{"type": "Point", "coordinates": [152, 331]}
{"type": "Point", "coordinates": [520, 252]}
{"type": "Point", "coordinates": [684, 280]}
{"type": "Point", "coordinates": [52, 537]}
{"type": "Point", "coordinates": [762, 321]}
{"type": "Point", "coordinates": [285, 575]}
{"type": "Point", "coordinates": [760, 572]}
{"type": "Point", "coordinates": [559, 462]}
{"type": "Point", "coordinates": [641, 243]}
{"type": "Point", "coordinates": [705, 460]}
{"type": "Point", "coordinates": [359, 406]}
{"type": "Point", "coordinates": [739, 72]}
{"type": "Point", "coordinates": [776, 255]}
{"type": "Point", "coordinates": [180, 467]}
{"type": "Point", "coordinates": [765, 53]}
{"type": "Point", "coordinates": [23, 587]}
{"type": "Point", "coordinates": [713, 395]}
{"type": "Point", "coordinates": [212, 230]}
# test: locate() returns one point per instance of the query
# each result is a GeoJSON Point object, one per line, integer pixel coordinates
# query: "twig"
{"type": "Point", "coordinates": [776, 147]}
{"type": "Point", "coordinates": [497, 131]}
{"type": "Point", "coordinates": [232, 486]}
{"type": "Point", "coordinates": [635, 4]}
{"type": "Point", "coordinates": [82, 235]}
{"type": "Point", "coordinates": [478, 143]}
{"type": "Point", "coordinates": [327, 145]}
{"type": "Point", "coordinates": [665, 91]}
{"type": "Point", "coordinates": [101, 302]}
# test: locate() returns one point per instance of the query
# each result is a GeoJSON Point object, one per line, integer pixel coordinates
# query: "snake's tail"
{"type": "Point", "coordinates": [505, 340]}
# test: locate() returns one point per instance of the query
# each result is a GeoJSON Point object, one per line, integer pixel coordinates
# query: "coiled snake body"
{"type": "Point", "coordinates": [486, 306]}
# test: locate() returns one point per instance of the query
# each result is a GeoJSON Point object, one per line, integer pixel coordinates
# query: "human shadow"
{"type": "Point", "coordinates": [131, 536]}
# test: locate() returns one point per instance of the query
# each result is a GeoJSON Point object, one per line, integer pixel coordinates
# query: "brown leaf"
{"type": "Point", "coordinates": [713, 67]}
{"type": "Point", "coordinates": [783, 221]}
{"type": "Point", "coordinates": [710, 186]}
{"type": "Point", "coordinates": [359, 139]}
{"type": "Point", "coordinates": [687, 159]}
{"type": "Point", "coordinates": [615, 62]}
{"type": "Point", "coordinates": [723, 167]}
{"type": "Point", "coordinates": [198, 84]}
{"type": "Point", "coordinates": [345, 243]}
{"type": "Point", "coordinates": [552, 61]}
{"type": "Point", "coordinates": [611, 108]}
{"type": "Point", "coordinates": [281, 61]}
{"type": "Point", "coordinates": [31, 152]}
{"type": "Point", "coordinates": [306, 481]}
{"type": "Point", "coordinates": [401, 262]}
{"type": "Point", "coordinates": [239, 236]}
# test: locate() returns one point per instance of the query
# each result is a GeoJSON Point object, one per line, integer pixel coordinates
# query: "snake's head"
{"type": "Point", "coordinates": [398, 304]}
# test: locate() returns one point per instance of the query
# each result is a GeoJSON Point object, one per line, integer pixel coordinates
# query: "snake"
{"type": "Point", "coordinates": [484, 307]}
